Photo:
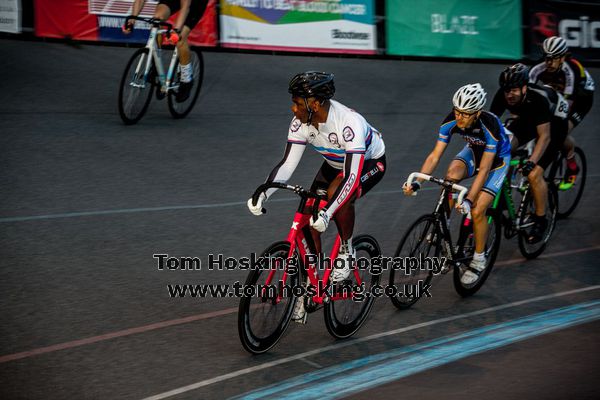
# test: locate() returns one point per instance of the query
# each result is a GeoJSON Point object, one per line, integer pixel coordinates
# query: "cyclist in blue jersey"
{"type": "Point", "coordinates": [485, 156]}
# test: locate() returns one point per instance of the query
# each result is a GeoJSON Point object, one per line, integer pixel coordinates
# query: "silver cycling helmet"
{"type": "Point", "coordinates": [555, 46]}
{"type": "Point", "coordinates": [469, 98]}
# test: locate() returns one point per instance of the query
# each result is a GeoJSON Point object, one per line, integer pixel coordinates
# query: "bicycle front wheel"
{"type": "Point", "coordinates": [421, 239]}
{"type": "Point", "coordinates": [136, 87]}
{"type": "Point", "coordinates": [345, 316]}
{"type": "Point", "coordinates": [529, 250]}
{"type": "Point", "coordinates": [263, 316]}
{"type": "Point", "coordinates": [492, 245]}
{"type": "Point", "coordinates": [180, 110]}
{"type": "Point", "coordinates": [569, 190]}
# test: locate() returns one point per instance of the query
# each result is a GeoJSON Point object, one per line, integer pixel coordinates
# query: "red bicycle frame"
{"type": "Point", "coordinates": [297, 239]}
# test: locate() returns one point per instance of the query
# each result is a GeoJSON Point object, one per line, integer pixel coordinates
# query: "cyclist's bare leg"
{"type": "Point", "coordinates": [183, 47]}
{"type": "Point", "coordinates": [539, 188]}
{"type": "Point", "coordinates": [569, 144]}
{"type": "Point", "coordinates": [162, 12]}
{"type": "Point", "coordinates": [514, 145]}
{"type": "Point", "coordinates": [457, 171]}
{"type": "Point", "coordinates": [480, 225]}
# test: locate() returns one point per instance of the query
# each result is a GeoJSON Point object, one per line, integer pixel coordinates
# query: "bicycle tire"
{"type": "Point", "coordinates": [251, 312]}
{"type": "Point", "coordinates": [491, 252]}
{"type": "Point", "coordinates": [407, 248]}
{"type": "Point", "coordinates": [531, 251]}
{"type": "Point", "coordinates": [344, 317]}
{"type": "Point", "coordinates": [129, 109]}
{"type": "Point", "coordinates": [568, 198]}
{"type": "Point", "coordinates": [181, 110]}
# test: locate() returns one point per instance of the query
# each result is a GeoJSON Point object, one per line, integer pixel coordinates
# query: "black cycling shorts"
{"type": "Point", "coordinates": [197, 8]}
{"type": "Point", "coordinates": [370, 175]}
{"type": "Point", "coordinates": [558, 133]}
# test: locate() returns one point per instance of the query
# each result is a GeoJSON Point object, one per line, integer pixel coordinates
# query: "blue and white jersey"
{"type": "Point", "coordinates": [345, 131]}
{"type": "Point", "coordinates": [487, 135]}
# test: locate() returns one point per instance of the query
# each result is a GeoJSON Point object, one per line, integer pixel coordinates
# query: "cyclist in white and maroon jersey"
{"type": "Point", "coordinates": [568, 77]}
{"type": "Point", "coordinates": [353, 150]}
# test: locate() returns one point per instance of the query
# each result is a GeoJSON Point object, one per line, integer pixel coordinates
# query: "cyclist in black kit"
{"type": "Point", "coordinates": [537, 112]}
{"type": "Point", "coordinates": [566, 75]}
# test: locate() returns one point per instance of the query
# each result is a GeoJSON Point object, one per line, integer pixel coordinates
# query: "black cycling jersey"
{"type": "Point", "coordinates": [541, 105]}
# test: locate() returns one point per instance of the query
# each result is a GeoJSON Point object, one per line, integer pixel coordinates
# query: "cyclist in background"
{"type": "Point", "coordinates": [190, 12]}
{"type": "Point", "coordinates": [354, 155]}
{"type": "Point", "coordinates": [567, 76]}
{"type": "Point", "coordinates": [537, 112]}
{"type": "Point", "coordinates": [486, 155]}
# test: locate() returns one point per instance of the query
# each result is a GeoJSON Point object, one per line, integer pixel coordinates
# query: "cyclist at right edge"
{"type": "Point", "coordinates": [567, 76]}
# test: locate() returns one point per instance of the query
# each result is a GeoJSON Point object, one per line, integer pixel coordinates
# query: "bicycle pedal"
{"type": "Point", "coordinates": [301, 320]}
{"type": "Point", "coordinates": [445, 268]}
{"type": "Point", "coordinates": [160, 94]}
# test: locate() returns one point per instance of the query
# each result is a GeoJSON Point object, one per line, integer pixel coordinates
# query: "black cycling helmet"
{"type": "Point", "coordinates": [514, 76]}
{"type": "Point", "coordinates": [312, 84]}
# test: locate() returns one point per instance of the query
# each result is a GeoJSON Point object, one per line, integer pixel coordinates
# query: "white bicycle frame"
{"type": "Point", "coordinates": [154, 55]}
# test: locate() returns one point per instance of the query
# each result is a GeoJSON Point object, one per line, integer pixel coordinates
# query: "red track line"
{"type": "Point", "coordinates": [198, 317]}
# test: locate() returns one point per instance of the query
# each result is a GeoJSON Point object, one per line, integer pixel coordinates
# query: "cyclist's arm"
{"type": "Point", "coordinates": [485, 165]}
{"type": "Point", "coordinates": [183, 13]}
{"type": "Point", "coordinates": [138, 5]}
{"type": "Point", "coordinates": [353, 163]}
{"type": "Point", "coordinates": [286, 167]}
{"type": "Point", "coordinates": [543, 138]}
{"type": "Point", "coordinates": [444, 136]}
{"type": "Point", "coordinates": [433, 158]}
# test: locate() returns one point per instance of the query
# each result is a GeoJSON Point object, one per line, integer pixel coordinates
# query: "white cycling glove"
{"type": "Point", "coordinates": [257, 209]}
{"type": "Point", "coordinates": [322, 221]}
{"type": "Point", "coordinates": [465, 207]}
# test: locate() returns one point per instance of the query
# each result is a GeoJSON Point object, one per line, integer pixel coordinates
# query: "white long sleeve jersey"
{"type": "Point", "coordinates": [345, 140]}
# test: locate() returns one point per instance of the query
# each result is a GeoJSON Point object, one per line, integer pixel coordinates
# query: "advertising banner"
{"type": "Point", "coordinates": [577, 22]}
{"type": "Point", "coordinates": [102, 20]}
{"type": "Point", "coordinates": [10, 16]}
{"type": "Point", "coordinates": [332, 26]}
{"type": "Point", "coordinates": [455, 28]}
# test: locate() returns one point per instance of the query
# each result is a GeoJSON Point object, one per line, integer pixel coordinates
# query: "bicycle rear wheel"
{"type": "Point", "coordinates": [344, 317]}
{"type": "Point", "coordinates": [569, 193]}
{"type": "Point", "coordinates": [492, 245]}
{"type": "Point", "coordinates": [528, 250]}
{"type": "Point", "coordinates": [136, 87]}
{"type": "Point", "coordinates": [264, 317]}
{"type": "Point", "coordinates": [180, 110]}
{"type": "Point", "coordinates": [422, 238]}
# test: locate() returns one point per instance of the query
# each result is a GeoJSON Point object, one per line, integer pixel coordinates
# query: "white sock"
{"type": "Point", "coordinates": [186, 72]}
{"type": "Point", "coordinates": [478, 256]}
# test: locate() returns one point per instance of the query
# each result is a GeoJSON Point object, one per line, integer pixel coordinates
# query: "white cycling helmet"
{"type": "Point", "coordinates": [555, 46]}
{"type": "Point", "coordinates": [469, 98]}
